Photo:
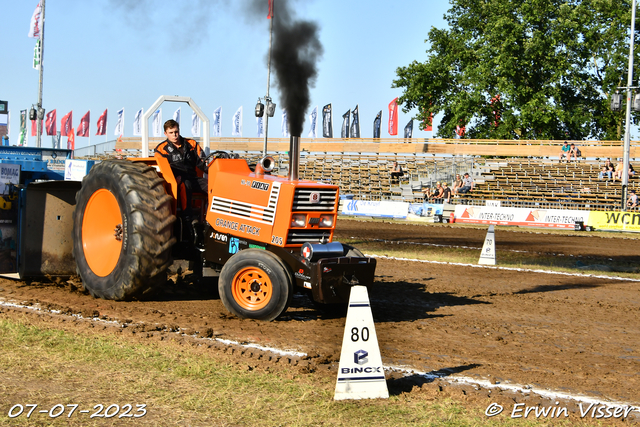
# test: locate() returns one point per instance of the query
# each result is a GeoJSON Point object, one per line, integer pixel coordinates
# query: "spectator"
{"type": "Point", "coordinates": [427, 194]}
{"type": "Point", "coordinates": [446, 193]}
{"type": "Point", "coordinates": [632, 201]}
{"type": "Point", "coordinates": [619, 170]}
{"type": "Point", "coordinates": [564, 151]}
{"type": "Point", "coordinates": [607, 169]}
{"type": "Point", "coordinates": [457, 185]}
{"type": "Point", "coordinates": [467, 184]}
{"type": "Point", "coordinates": [437, 193]}
{"type": "Point", "coordinates": [396, 172]}
{"type": "Point", "coordinates": [575, 152]}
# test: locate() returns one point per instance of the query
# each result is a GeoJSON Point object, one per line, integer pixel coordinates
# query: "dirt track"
{"type": "Point", "coordinates": [571, 333]}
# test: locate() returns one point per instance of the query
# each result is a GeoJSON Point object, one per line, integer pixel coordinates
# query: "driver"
{"type": "Point", "coordinates": [184, 155]}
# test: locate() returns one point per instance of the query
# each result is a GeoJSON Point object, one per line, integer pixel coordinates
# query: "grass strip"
{"type": "Point", "coordinates": [183, 385]}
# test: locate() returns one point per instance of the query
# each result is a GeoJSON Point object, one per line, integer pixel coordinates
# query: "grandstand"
{"type": "Point", "coordinates": [517, 173]}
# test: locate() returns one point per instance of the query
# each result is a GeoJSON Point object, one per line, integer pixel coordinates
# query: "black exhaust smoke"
{"type": "Point", "coordinates": [295, 53]}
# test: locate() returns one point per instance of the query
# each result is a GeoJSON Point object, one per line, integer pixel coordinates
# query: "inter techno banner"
{"type": "Point", "coordinates": [556, 218]}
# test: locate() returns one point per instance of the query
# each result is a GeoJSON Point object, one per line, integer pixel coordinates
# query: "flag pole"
{"type": "Point", "coordinates": [267, 100]}
{"type": "Point", "coordinates": [40, 114]}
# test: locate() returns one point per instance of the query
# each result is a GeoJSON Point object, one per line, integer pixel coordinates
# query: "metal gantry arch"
{"type": "Point", "coordinates": [167, 98]}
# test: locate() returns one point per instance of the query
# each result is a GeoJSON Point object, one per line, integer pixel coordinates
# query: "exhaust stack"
{"type": "Point", "coordinates": [294, 157]}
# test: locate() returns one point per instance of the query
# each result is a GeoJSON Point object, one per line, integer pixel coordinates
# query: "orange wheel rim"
{"type": "Point", "coordinates": [102, 232]}
{"type": "Point", "coordinates": [252, 288]}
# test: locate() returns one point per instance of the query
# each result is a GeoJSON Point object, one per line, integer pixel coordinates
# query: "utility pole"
{"type": "Point", "coordinates": [267, 99]}
{"type": "Point", "coordinates": [627, 136]}
{"type": "Point", "coordinates": [40, 111]}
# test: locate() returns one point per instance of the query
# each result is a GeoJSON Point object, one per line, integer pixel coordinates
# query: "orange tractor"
{"type": "Point", "coordinates": [262, 235]}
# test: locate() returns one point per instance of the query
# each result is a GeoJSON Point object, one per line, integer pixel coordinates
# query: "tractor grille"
{"type": "Point", "coordinates": [298, 237]}
{"type": "Point", "coordinates": [303, 200]}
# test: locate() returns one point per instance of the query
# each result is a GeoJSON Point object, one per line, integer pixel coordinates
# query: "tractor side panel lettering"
{"type": "Point", "coordinates": [232, 225]}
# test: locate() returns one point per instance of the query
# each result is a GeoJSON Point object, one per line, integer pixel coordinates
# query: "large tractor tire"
{"type": "Point", "coordinates": [122, 230]}
{"type": "Point", "coordinates": [255, 284]}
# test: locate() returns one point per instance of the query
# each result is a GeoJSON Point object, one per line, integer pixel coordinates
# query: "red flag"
{"type": "Point", "coordinates": [83, 127]}
{"type": "Point", "coordinates": [102, 124]}
{"type": "Point", "coordinates": [50, 123]}
{"type": "Point", "coordinates": [34, 127]}
{"type": "Point", "coordinates": [270, 15]}
{"type": "Point", "coordinates": [393, 117]}
{"type": "Point", "coordinates": [71, 141]}
{"type": "Point", "coordinates": [66, 124]}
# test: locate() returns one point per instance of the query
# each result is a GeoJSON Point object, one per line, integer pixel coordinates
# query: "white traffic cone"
{"type": "Point", "coordinates": [488, 254]}
{"type": "Point", "coordinates": [360, 373]}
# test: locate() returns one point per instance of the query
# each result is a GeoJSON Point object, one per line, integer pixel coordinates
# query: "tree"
{"type": "Point", "coordinates": [537, 69]}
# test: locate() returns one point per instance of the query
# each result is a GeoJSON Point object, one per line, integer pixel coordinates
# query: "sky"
{"type": "Point", "coordinates": [114, 54]}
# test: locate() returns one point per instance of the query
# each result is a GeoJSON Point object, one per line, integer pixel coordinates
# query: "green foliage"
{"type": "Point", "coordinates": [553, 63]}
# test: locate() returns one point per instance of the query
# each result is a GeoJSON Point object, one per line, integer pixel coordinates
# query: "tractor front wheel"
{"type": "Point", "coordinates": [255, 284]}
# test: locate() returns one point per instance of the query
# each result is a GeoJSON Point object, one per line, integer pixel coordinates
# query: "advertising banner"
{"type": "Point", "coordinates": [9, 174]}
{"type": "Point", "coordinates": [424, 210]}
{"type": "Point", "coordinates": [556, 218]}
{"type": "Point", "coordinates": [76, 170]}
{"type": "Point", "coordinates": [615, 221]}
{"type": "Point", "coordinates": [378, 209]}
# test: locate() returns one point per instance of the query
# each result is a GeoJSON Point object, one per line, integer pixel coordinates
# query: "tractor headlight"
{"type": "Point", "coordinates": [298, 220]}
{"type": "Point", "coordinates": [326, 220]}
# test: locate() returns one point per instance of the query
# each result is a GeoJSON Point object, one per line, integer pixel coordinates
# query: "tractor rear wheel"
{"type": "Point", "coordinates": [255, 284]}
{"type": "Point", "coordinates": [122, 230]}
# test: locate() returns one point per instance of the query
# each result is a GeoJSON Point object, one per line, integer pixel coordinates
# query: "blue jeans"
{"type": "Point", "coordinates": [601, 174]}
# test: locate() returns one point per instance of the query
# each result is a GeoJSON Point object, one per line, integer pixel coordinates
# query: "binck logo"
{"type": "Point", "coordinates": [360, 357]}
{"type": "Point", "coordinates": [367, 370]}
{"type": "Point", "coordinates": [264, 186]}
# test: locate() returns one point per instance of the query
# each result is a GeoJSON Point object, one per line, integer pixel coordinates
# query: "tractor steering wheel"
{"type": "Point", "coordinates": [218, 155]}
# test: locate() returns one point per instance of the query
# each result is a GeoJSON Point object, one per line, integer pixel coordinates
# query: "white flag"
{"type": "Point", "coordinates": [285, 124]}
{"type": "Point", "coordinates": [195, 124]}
{"type": "Point", "coordinates": [36, 55]}
{"type": "Point", "coordinates": [176, 116]}
{"type": "Point", "coordinates": [260, 124]}
{"type": "Point", "coordinates": [157, 122]}
{"type": "Point", "coordinates": [313, 118]}
{"type": "Point", "coordinates": [34, 28]}
{"type": "Point", "coordinates": [137, 123]}
{"type": "Point", "coordinates": [119, 123]}
{"type": "Point", "coordinates": [217, 131]}
{"type": "Point", "coordinates": [237, 123]}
